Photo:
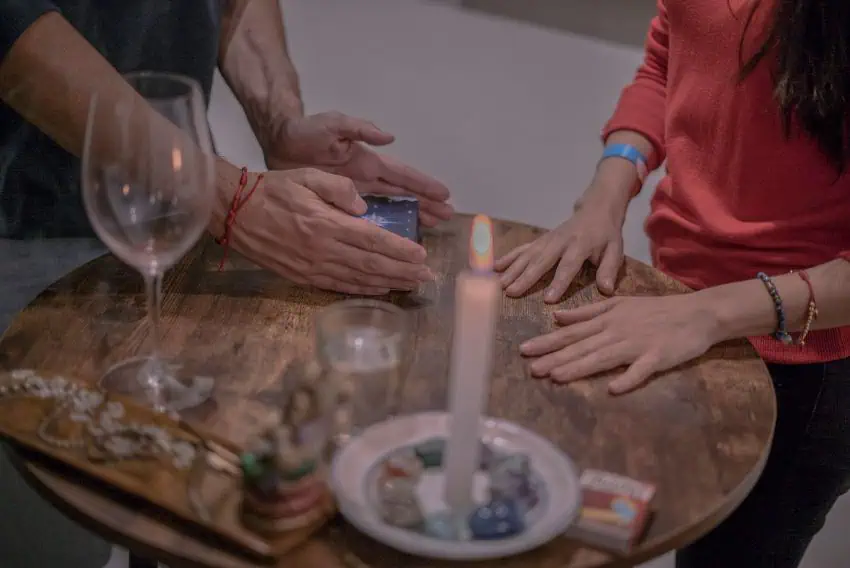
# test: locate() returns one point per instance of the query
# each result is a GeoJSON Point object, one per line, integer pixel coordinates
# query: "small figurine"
{"type": "Point", "coordinates": [284, 483]}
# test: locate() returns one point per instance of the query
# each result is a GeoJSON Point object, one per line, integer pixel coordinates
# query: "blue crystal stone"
{"type": "Point", "coordinates": [498, 519]}
{"type": "Point", "coordinates": [431, 452]}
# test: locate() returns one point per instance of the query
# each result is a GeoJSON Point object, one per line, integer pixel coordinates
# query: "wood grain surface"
{"type": "Point", "coordinates": [152, 482]}
{"type": "Point", "coordinates": [701, 432]}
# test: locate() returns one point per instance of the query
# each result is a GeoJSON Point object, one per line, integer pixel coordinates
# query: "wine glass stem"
{"type": "Point", "coordinates": [153, 375]}
{"type": "Point", "coordinates": [153, 288]}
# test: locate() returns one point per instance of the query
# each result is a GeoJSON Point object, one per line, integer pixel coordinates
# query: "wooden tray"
{"type": "Point", "coordinates": [162, 479]}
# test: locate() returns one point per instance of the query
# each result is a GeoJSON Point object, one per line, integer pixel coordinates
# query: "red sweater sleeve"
{"type": "Point", "coordinates": [642, 104]}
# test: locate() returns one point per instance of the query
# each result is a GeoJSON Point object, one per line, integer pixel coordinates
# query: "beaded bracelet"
{"type": "Point", "coordinates": [811, 310]}
{"type": "Point", "coordinates": [781, 334]}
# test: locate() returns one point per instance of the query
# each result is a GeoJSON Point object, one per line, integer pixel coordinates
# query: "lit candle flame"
{"type": "Point", "coordinates": [176, 159]}
{"type": "Point", "coordinates": [481, 244]}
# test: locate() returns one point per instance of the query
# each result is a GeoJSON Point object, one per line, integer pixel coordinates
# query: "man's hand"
{"type": "Point", "coordinates": [300, 223]}
{"type": "Point", "coordinates": [336, 143]}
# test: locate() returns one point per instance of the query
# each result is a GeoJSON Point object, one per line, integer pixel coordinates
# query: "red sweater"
{"type": "Point", "coordinates": [739, 197]}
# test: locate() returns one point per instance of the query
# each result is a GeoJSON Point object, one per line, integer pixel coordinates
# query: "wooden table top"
{"type": "Point", "coordinates": [700, 432]}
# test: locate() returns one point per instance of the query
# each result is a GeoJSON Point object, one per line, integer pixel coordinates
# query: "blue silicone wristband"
{"type": "Point", "coordinates": [630, 153]}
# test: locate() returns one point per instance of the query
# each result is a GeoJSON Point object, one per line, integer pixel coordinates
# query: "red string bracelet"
{"type": "Point", "coordinates": [235, 206]}
{"type": "Point", "coordinates": [812, 310]}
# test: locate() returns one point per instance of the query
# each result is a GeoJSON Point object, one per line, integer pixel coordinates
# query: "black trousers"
{"type": "Point", "coordinates": [807, 470]}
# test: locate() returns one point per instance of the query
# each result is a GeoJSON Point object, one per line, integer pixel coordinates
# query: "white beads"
{"type": "Point", "coordinates": [103, 420]}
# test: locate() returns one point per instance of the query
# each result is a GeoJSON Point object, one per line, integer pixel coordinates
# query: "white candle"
{"type": "Point", "coordinates": [477, 298]}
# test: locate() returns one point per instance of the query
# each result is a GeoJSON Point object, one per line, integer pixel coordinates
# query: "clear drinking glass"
{"type": "Point", "coordinates": [147, 184]}
{"type": "Point", "coordinates": [364, 347]}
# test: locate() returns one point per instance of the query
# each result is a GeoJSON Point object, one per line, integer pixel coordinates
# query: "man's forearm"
{"type": "Point", "coordinates": [37, 81]}
{"type": "Point", "coordinates": [254, 60]}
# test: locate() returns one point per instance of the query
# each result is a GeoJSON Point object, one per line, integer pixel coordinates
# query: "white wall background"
{"type": "Point", "coordinates": [505, 113]}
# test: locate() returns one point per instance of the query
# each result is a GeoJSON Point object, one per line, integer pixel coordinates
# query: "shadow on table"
{"type": "Point", "coordinates": [121, 293]}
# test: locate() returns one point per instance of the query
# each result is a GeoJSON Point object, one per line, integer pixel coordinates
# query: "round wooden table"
{"type": "Point", "coordinates": [700, 432]}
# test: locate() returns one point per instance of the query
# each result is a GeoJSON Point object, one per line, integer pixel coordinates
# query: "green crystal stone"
{"type": "Point", "coordinates": [251, 466]}
{"type": "Point", "coordinates": [431, 452]}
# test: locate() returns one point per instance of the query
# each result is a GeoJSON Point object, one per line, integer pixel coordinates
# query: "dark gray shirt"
{"type": "Point", "coordinates": [39, 181]}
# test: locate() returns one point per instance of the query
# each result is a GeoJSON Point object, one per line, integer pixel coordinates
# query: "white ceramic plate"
{"type": "Point", "coordinates": [354, 465]}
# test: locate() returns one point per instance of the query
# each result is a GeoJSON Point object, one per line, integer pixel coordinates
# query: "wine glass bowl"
{"type": "Point", "coordinates": [147, 183]}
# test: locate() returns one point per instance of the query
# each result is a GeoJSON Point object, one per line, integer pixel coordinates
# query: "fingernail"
{"type": "Point", "coordinates": [551, 296]}
{"type": "Point", "coordinates": [360, 206]}
{"type": "Point", "coordinates": [426, 274]}
{"type": "Point", "coordinates": [526, 346]}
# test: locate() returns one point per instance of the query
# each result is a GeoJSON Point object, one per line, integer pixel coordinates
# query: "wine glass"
{"type": "Point", "coordinates": [147, 184]}
{"type": "Point", "coordinates": [363, 347]}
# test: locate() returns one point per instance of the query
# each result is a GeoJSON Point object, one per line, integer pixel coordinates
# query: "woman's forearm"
{"type": "Point", "coordinates": [745, 309]}
{"type": "Point", "coordinates": [616, 180]}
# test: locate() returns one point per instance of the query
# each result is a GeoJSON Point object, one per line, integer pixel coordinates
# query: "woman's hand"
{"type": "Point", "coordinates": [594, 232]}
{"type": "Point", "coordinates": [646, 334]}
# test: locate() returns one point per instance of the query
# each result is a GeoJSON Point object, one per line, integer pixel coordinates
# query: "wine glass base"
{"type": "Point", "coordinates": [157, 383]}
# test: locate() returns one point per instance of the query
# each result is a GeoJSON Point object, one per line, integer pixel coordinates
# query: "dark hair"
{"type": "Point", "coordinates": [810, 40]}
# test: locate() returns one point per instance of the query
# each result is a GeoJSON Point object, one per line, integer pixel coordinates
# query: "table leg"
{"type": "Point", "coordinates": [139, 562]}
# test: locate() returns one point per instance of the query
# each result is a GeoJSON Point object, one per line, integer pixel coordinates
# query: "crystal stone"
{"type": "Point", "coordinates": [501, 518]}
{"type": "Point", "coordinates": [403, 464]}
{"type": "Point", "coordinates": [431, 452]}
{"type": "Point", "coordinates": [445, 526]}
{"type": "Point", "coordinates": [512, 479]}
{"type": "Point", "coordinates": [398, 504]}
